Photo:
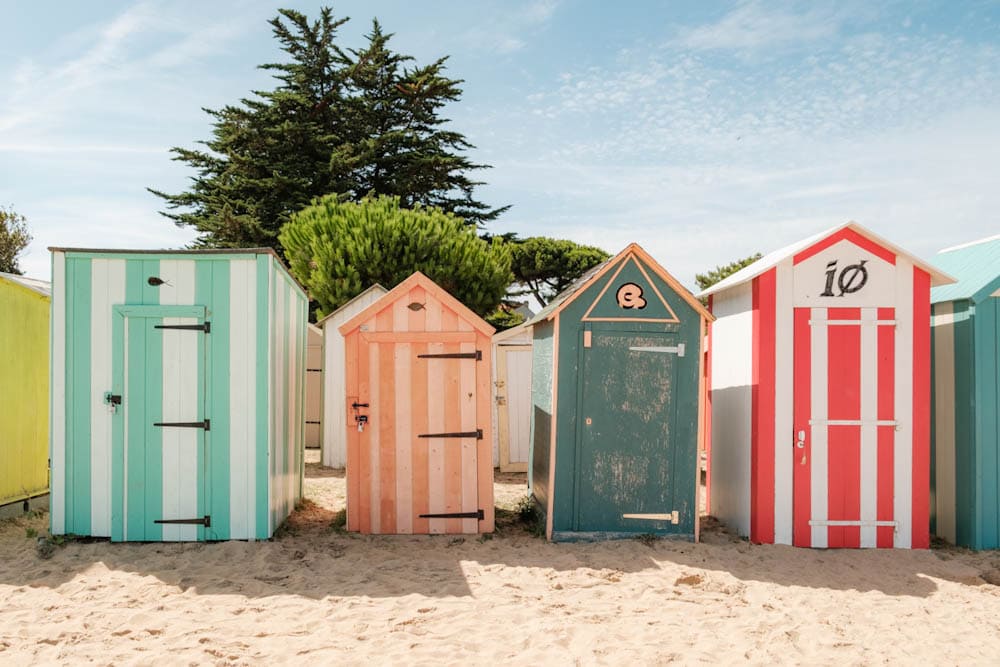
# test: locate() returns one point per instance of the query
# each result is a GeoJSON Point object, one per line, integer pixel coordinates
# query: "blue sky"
{"type": "Point", "coordinates": [704, 131]}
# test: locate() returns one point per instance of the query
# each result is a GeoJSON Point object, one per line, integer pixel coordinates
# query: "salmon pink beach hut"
{"type": "Point", "coordinates": [820, 394]}
{"type": "Point", "coordinates": [417, 404]}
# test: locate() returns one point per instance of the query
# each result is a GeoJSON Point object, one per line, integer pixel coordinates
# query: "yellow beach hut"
{"type": "Point", "coordinates": [24, 385]}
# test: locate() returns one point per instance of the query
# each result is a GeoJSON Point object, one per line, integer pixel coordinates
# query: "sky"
{"type": "Point", "coordinates": [704, 131]}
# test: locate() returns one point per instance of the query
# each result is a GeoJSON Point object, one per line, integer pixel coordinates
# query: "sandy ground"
{"type": "Point", "coordinates": [315, 595]}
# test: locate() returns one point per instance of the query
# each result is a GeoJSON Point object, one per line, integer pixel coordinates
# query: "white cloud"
{"type": "Point", "coordinates": [506, 32]}
{"type": "Point", "coordinates": [756, 25]}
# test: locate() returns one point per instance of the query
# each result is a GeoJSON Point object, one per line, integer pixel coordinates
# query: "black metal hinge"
{"type": "Point", "coordinates": [203, 521]}
{"type": "Point", "coordinates": [478, 514]}
{"type": "Point", "coordinates": [207, 424]}
{"type": "Point", "coordinates": [477, 355]}
{"type": "Point", "coordinates": [205, 326]}
{"type": "Point", "coordinates": [477, 434]}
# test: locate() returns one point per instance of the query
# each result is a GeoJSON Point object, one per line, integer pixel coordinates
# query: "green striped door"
{"type": "Point", "coordinates": [160, 424]}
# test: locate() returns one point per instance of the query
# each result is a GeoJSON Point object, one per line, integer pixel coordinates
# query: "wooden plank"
{"type": "Point", "coordinates": [921, 464]}
{"type": "Point", "coordinates": [386, 426]}
{"type": "Point", "coordinates": [374, 441]}
{"type": "Point", "coordinates": [700, 432]}
{"type": "Point", "coordinates": [554, 427]}
{"type": "Point", "coordinates": [452, 423]}
{"type": "Point", "coordinates": [484, 455]}
{"type": "Point", "coordinates": [886, 342]}
{"type": "Point", "coordinates": [443, 336]}
{"type": "Point", "coordinates": [503, 410]}
{"type": "Point", "coordinates": [352, 384]}
{"type": "Point", "coordinates": [363, 440]}
{"type": "Point", "coordinates": [469, 422]}
{"type": "Point", "coordinates": [435, 420]}
{"type": "Point", "coordinates": [405, 401]}
{"type": "Point", "coordinates": [419, 455]}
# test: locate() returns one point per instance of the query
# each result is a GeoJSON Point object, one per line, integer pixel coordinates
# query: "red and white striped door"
{"type": "Point", "coordinates": [844, 427]}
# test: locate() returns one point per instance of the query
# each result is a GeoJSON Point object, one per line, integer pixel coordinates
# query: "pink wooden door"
{"type": "Point", "coordinates": [844, 426]}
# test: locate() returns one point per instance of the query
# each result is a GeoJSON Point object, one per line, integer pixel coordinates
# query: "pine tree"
{"type": "Point", "coordinates": [351, 123]}
{"type": "Point", "coordinates": [14, 238]}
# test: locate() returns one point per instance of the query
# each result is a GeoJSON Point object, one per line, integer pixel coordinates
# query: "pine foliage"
{"type": "Point", "coordinates": [347, 122]}
{"type": "Point", "coordinates": [338, 249]}
{"type": "Point", "coordinates": [545, 266]}
{"type": "Point", "coordinates": [14, 238]}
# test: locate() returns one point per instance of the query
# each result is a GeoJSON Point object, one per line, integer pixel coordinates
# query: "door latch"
{"type": "Point", "coordinates": [112, 401]}
{"type": "Point", "coordinates": [362, 420]}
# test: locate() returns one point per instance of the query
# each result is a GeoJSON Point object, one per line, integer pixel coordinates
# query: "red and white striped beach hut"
{"type": "Point", "coordinates": [820, 394]}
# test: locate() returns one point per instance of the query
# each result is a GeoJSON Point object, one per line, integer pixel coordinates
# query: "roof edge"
{"type": "Point", "coordinates": [374, 286]}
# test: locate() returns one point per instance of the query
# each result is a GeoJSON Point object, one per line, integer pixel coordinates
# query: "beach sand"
{"type": "Point", "coordinates": [316, 595]}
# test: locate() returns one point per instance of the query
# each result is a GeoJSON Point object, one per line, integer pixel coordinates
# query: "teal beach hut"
{"type": "Point", "coordinates": [965, 473]}
{"type": "Point", "coordinates": [178, 387]}
{"type": "Point", "coordinates": [616, 404]}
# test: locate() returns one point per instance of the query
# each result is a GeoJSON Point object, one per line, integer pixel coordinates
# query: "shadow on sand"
{"type": "Point", "coordinates": [310, 557]}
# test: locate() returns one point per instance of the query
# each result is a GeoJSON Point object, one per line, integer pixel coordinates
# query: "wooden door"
{"type": "Point", "coordinates": [844, 426]}
{"type": "Point", "coordinates": [513, 406]}
{"type": "Point", "coordinates": [415, 420]}
{"type": "Point", "coordinates": [158, 403]}
{"type": "Point", "coordinates": [626, 480]}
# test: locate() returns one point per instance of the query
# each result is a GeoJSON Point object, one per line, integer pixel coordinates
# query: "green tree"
{"type": "Point", "coordinates": [348, 122]}
{"type": "Point", "coordinates": [337, 249]}
{"type": "Point", "coordinates": [545, 266]}
{"type": "Point", "coordinates": [706, 280]}
{"type": "Point", "coordinates": [14, 238]}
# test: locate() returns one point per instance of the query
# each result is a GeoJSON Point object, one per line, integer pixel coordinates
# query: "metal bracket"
{"type": "Point", "coordinates": [477, 434]}
{"type": "Point", "coordinates": [207, 424]}
{"type": "Point", "coordinates": [674, 349]}
{"type": "Point", "coordinates": [205, 326]}
{"type": "Point", "coordinates": [672, 517]}
{"type": "Point", "coordinates": [477, 355]}
{"type": "Point", "coordinates": [203, 521]}
{"type": "Point", "coordinates": [478, 514]}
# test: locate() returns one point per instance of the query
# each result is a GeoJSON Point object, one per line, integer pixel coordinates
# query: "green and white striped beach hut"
{"type": "Point", "coordinates": [178, 385]}
{"type": "Point", "coordinates": [965, 462]}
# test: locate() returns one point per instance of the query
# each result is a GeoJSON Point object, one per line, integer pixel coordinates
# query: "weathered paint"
{"type": "Point", "coordinates": [839, 394]}
{"type": "Point", "coordinates": [335, 417]}
{"type": "Point", "coordinates": [118, 473]}
{"type": "Point", "coordinates": [395, 472]}
{"type": "Point", "coordinates": [611, 455]}
{"type": "Point", "coordinates": [24, 372]}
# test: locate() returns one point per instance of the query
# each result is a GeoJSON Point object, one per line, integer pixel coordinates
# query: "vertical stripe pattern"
{"type": "Point", "coordinates": [395, 472]}
{"type": "Point", "coordinates": [115, 473]}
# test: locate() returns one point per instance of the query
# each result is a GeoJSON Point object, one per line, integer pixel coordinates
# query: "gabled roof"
{"type": "Point", "coordinates": [42, 287]}
{"type": "Point", "coordinates": [568, 295]}
{"type": "Point", "coordinates": [374, 288]}
{"type": "Point", "coordinates": [415, 280]}
{"type": "Point", "coordinates": [774, 258]}
{"type": "Point", "coordinates": [977, 267]}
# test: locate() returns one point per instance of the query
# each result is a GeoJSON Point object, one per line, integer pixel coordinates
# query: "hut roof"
{"type": "Point", "coordinates": [42, 287]}
{"type": "Point", "coordinates": [569, 294]}
{"type": "Point", "coordinates": [977, 267]}
{"type": "Point", "coordinates": [374, 288]}
{"type": "Point", "coordinates": [772, 259]}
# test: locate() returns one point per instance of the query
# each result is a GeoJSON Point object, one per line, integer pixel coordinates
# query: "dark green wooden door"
{"type": "Point", "coordinates": [626, 447]}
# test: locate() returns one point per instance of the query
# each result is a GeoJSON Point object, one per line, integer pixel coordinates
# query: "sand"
{"type": "Point", "coordinates": [315, 595]}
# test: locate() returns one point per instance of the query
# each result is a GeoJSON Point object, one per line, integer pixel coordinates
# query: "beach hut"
{"type": "Point", "coordinates": [615, 423]}
{"type": "Point", "coordinates": [418, 398]}
{"type": "Point", "coordinates": [335, 412]}
{"type": "Point", "coordinates": [965, 337]}
{"type": "Point", "coordinates": [24, 375]}
{"type": "Point", "coordinates": [820, 394]}
{"type": "Point", "coordinates": [178, 382]}
{"type": "Point", "coordinates": [512, 398]}
{"type": "Point", "coordinates": [314, 387]}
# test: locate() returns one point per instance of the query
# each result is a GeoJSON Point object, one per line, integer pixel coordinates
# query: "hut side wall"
{"type": "Point", "coordinates": [542, 388]}
{"type": "Point", "coordinates": [986, 327]}
{"type": "Point", "coordinates": [335, 421]}
{"type": "Point", "coordinates": [24, 412]}
{"type": "Point", "coordinates": [288, 356]}
{"type": "Point", "coordinates": [314, 388]}
{"type": "Point", "coordinates": [731, 387]}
